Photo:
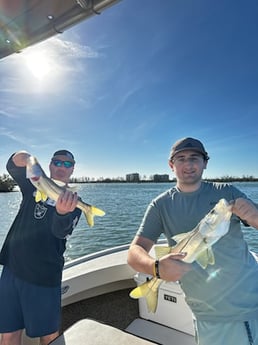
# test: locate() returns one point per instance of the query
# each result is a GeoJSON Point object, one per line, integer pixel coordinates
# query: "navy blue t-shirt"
{"type": "Point", "coordinates": [34, 246]}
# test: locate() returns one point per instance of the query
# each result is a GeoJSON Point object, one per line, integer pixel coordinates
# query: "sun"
{"type": "Point", "coordinates": [43, 67]}
{"type": "Point", "coordinates": [39, 64]}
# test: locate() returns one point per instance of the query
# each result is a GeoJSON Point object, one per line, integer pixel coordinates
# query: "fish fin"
{"type": "Point", "coordinates": [72, 188]}
{"type": "Point", "coordinates": [63, 184]}
{"type": "Point", "coordinates": [94, 211]}
{"type": "Point", "coordinates": [180, 237]}
{"type": "Point", "coordinates": [161, 251]}
{"type": "Point", "coordinates": [140, 291]}
{"type": "Point", "coordinates": [97, 211]}
{"type": "Point", "coordinates": [205, 258]}
{"type": "Point", "coordinates": [59, 183]}
{"type": "Point", "coordinates": [40, 196]}
{"type": "Point", "coordinates": [149, 290]}
{"type": "Point", "coordinates": [211, 256]}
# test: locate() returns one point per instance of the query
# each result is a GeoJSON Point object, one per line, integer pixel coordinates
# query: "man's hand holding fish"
{"type": "Point", "coordinates": [247, 211]}
{"type": "Point", "coordinates": [172, 267]}
{"type": "Point", "coordinates": [66, 202]}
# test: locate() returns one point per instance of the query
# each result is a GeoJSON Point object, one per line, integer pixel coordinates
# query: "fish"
{"type": "Point", "coordinates": [49, 188]}
{"type": "Point", "coordinates": [197, 244]}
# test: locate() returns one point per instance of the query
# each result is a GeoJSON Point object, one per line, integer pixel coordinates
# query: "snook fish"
{"type": "Point", "coordinates": [48, 188]}
{"type": "Point", "coordinates": [196, 243]}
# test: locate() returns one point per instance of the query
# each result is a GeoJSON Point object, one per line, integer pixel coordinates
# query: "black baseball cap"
{"type": "Point", "coordinates": [188, 144]}
{"type": "Point", "coordinates": [65, 153]}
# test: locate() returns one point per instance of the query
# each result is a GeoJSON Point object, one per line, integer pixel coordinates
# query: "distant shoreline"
{"type": "Point", "coordinates": [8, 185]}
{"type": "Point", "coordinates": [223, 180]}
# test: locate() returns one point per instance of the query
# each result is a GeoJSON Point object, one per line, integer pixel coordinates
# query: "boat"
{"type": "Point", "coordinates": [24, 23]}
{"type": "Point", "coordinates": [97, 308]}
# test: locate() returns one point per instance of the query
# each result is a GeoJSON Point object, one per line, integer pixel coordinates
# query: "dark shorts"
{"type": "Point", "coordinates": [24, 305]}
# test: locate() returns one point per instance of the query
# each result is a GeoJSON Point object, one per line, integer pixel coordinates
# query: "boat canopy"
{"type": "Point", "coordinates": [26, 22]}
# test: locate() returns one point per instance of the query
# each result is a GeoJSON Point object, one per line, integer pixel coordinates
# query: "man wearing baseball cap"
{"type": "Point", "coordinates": [32, 255]}
{"type": "Point", "coordinates": [223, 297]}
{"type": "Point", "coordinates": [190, 144]}
{"type": "Point", "coordinates": [65, 153]}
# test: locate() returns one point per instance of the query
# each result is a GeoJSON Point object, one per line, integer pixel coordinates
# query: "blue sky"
{"type": "Point", "coordinates": [119, 88]}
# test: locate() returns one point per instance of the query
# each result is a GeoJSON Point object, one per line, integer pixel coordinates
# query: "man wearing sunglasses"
{"type": "Point", "coordinates": [62, 165]}
{"type": "Point", "coordinates": [32, 255]}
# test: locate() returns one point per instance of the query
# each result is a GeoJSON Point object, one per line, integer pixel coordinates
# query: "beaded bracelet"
{"type": "Point", "coordinates": [156, 269]}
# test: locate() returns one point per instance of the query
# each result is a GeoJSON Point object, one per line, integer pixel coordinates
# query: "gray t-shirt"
{"type": "Point", "coordinates": [227, 290]}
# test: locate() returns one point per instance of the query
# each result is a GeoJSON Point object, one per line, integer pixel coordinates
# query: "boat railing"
{"type": "Point", "coordinates": [96, 255]}
{"type": "Point", "coordinates": [101, 253]}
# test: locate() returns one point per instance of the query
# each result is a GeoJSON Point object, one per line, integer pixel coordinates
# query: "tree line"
{"type": "Point", "coordinates": [7, 184]}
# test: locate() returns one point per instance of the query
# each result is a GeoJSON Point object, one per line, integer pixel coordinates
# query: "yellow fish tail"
{"type": "Point", "coordinates": [149, 290]}
{"type": "Point", "coordinates": [140, 291]}
{"type": "Point", "coordinates": [40, 196]}
{"type": "Point", "coordinates": [90, 214]}
{"type": "Point", "coordinates": [97, 212]}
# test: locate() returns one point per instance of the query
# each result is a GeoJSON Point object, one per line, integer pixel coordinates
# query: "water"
{"type": "Point", "coordinates": [124, 205]}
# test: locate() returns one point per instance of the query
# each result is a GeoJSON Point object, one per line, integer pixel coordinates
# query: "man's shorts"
{"type": "Point", "coordinates": [229, 333]}
{"type": "Point", "coordinates": [24, 305]}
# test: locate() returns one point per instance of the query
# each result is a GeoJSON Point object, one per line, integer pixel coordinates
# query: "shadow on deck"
{"type": "Point", "coordinates": [116, 309]}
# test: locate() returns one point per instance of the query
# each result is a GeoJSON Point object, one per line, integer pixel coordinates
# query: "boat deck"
{"type": "Point", "coordinates": [107, 309]}
{"type": "Point", "coordinates": [100, 307]}
{"type": "Point", "coordinates": [114, 307]}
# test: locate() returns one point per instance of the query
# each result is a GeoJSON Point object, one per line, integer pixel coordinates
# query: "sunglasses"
{"type": "Point", "coordinates": [66, 164]}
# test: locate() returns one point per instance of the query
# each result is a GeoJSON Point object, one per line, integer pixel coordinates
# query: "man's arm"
{"type": "Point", "coordinates": [138, 256]}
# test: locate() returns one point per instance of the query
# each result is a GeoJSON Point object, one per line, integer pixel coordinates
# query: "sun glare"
{"type": "Point", "coordinates": [39, 65]}
{"type": "Point", "coordinates": [43, 67]}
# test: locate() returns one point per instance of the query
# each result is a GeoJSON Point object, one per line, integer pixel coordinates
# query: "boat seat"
{"type": "Point", "coordinates": [91, 332]}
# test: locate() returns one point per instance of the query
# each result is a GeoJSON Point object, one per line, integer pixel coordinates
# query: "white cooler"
{"type": "Point", "coordinates": [172, 310]}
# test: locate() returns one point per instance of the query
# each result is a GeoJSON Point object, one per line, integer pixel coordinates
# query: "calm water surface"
{"type": "Point", "coordinates": [124, 205]}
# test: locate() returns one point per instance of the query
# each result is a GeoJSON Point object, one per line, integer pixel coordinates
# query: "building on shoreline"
{"type": "Point", "coordinates": [161, 178]}
{"type": "Point", "coordinates": [134, 177]}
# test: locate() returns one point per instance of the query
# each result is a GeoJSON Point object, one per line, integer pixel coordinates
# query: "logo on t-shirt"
{"type": "Point", "coordinates": [40, 210]}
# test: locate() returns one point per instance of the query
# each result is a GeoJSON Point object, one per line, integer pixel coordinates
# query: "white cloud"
{"type": "Point", "coordinates": [73, 49]}
{"type": "Point", "coordinates": [4, 113]}
{"type": "Point", "coordinates": [14, 137]}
